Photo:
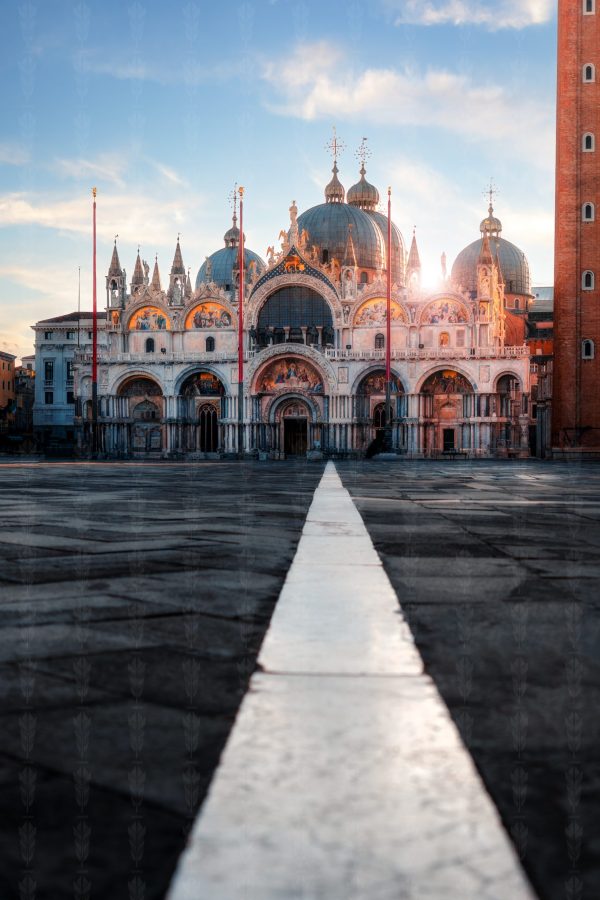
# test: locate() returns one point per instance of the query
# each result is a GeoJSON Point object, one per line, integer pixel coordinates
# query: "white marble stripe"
{"type": "Point", "coordinates": [344, 776]}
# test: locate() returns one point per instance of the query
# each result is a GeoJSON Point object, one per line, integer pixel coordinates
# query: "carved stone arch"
{"type": "Point", "coordinates": [140, 304]}
{"type": "Point", "coordinates": [440, 367]}
{"type": "Point", "coordinates": [196, 369]}
{"type": "Point", "coordinates": [265, 357]}
{"type": "Point", "coordinates": [372, 370]}
{"type": "Point", "coordinates": [511, 374]}
{"type": "Point", "coordinates": [209, 297]}
{"type": "Point", "coordinates": [453, 298]}
{"type": "Point", "coordinates": [275, 403]}
{"type": "Point", "coordinates": [121, 378]}
{"type": "Point", "coordinates": [260, 297]}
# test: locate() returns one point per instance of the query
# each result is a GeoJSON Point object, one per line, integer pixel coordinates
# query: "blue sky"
{"type": "Point", "coordinates": [164, 106]}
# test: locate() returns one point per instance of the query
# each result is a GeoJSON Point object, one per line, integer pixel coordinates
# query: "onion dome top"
{"type": "Point", "coordinates": [512, 262]}
{"type": "Point", "coordinates": [335, 192]}
{"type": "Point", "coordinates": [232, 235]}
{"type": "Point", "coordinates": [327, 227]}
{"type": "Point", "coordinates": [491, 225]}
{"type": "Point", "coordinates": [363, 194]}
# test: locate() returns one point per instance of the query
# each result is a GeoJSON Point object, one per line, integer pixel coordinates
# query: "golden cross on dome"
{"type": "Point", "coordinates": [116, 236]}
{"type": "Point", "coordinates": [491, 192]}
{"type": "Point", "coordinates": [363, 152]}
{"type": "Point", "coordinates": [335, 146]}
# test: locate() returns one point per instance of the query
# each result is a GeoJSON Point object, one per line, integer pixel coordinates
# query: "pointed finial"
{"type": "Point", "coordinates": [362, 154]}
{"type": "Point", "coordinates": [178, 236]}
{"type": "Point", "coordinates": [335, 146]}
{"type": "Point", "coordinates": [116, 236]}
{"type": "Point", "coordinates": [490, 193]}
{"type": "Point", "coordinates": [138, 249]}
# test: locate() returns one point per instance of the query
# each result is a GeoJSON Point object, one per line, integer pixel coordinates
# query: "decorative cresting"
{"type": "Point", "coordinates": [373, 313]}
{"type": "Point", "coordinates": [289, 373]}
{"type": "Point", "coordinates": [293, 263]}
{"type": "Point", "coordinates": [300, 351]}
{"type": "Point", "coordinates": [445, 310]}
{"type": "Point", "coordinates": [149, 318]}
{"type": "Point", "coordinates": [447, 381]}
{"type": "Point", "coordinates": [208, 314]}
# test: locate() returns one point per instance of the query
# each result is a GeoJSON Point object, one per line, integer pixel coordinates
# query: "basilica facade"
{"type": "Point", "coordinates": [314, 346]}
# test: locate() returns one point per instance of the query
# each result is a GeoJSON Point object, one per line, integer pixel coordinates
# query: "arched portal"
{"type": "Point", "coordinates": [200, 404]}
{"type": "Point", "coordinates": [442, 409]}
{"type": "Point", "coordinates": [370, 410]}
{"type": "Point", "coordinates": [145, 410]}
{"type": "Point", "coordinates": [294, 416]}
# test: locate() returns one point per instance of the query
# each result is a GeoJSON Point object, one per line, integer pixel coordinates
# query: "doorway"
{"type": "Point", "coordinates": [448, 439]}
{"type": "Point", "coordinates": [295, 441]}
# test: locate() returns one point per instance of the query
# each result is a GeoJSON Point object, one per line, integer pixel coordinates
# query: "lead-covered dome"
{"type": "Point", "coordinates": [512, 262]}
{"type": "Point", "coordinates": [221, 267]}
{"type": "Point", "coordinates": [332, 226]}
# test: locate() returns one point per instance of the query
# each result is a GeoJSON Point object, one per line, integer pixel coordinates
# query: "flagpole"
{"type": "Point", "coordinates": [94, 340]}
{"type": "Point", "coordinates": [388, 334]}
{"type": "Point", "coordinates": [240, 429]}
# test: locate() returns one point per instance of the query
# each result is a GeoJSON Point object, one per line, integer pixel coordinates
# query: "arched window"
{"type": "Point", "coordinates": [325, 256]}
{"type": "Point", "coordinates": [589, 73]}
{"type": "Point", "coordinates": [149, 345]}
{"type": "Point", "coordinates": [379, 341]}
{"type": "Point", "coordinates": [209, 428]}
{"type": "Point", "coordinates": [589, 7]}
{"type": "Point", "coordinates": [210, 344]}
{"type": "Point", "coordinates": [588, 143]}
{"type": "Point", "coordinates": [587, 349]}
{"type": "Point", "coordinates": [517, 303]}
{"type": "Point", "coordinates": [364, 277]}
{"type": "Point", "coordinates": [587, 212]}
{"type": "Point", "coordinates": [587, 280]}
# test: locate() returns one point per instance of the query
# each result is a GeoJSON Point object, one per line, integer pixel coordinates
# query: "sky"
{"type": "Point", "coordinates": [164, 107]}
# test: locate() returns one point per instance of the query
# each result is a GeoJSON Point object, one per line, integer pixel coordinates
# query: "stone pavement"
{"type": "Point", "coordinates": [134, 599]}
{"type": "Point", "coordinates": [133, 602]}
{"type": "Point", "coordinates": [344, 776]}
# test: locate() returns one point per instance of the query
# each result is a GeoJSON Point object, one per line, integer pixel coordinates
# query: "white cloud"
{"type": "Point", "coordinates": [12, 154]}
{"type": "Point", "coordinates": [317, 82]}
{"type": "Point", "coordinates": [493, 16]}
{"type": "Point", "coordinates": [168, 173]}
{"type": "Point", "coordinates": [107, 168]}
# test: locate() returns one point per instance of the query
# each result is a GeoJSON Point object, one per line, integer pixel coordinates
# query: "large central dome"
{"type": "Point", "coordinates": [352, 233]}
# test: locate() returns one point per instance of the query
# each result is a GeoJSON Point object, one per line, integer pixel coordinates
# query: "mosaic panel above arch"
{"type": "Point", "coordinates": [447, 382]}
{"type": "Point", "coordinates": [149, 318]}
{"type": "Point", "coordinates": [374, 383]}
{"type": "Point", "coordinates": [202, 384]}
{"type": "Point", "coordinates": [290, 374]}
{"type": "Point", "coordinates": [445, 311]}
{"type": "Point", "coordinates": [139, 386]}
{"type": "Point", "coordinates": [373, 313]}
{"type": "Point", "coordinates": [208, 315]}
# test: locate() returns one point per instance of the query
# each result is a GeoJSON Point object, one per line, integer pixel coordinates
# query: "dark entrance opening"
{"type": "Point", "coordinates": [209, 429]}
{"type": "Point", "coordinates": [448, 439]}
{"type": "Point", "coordinates": [295, 436]}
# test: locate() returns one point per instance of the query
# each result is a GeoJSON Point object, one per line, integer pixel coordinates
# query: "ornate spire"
{"type": "Point", "coordinates": [414, 261]}
{"type": "Point", "coordinates": [188, 285]}
{"type": "Point", "coordinates": [156, 276]}
{"type": "Point", "coordinates": [350, 252]}
{"type": "Point", "coordinates": [485, 254]}
{"type": "Point", "coordinates": [115, 265]}
{"type": "Point", "coordinates": [177, 268]}
{"type": "Point", "coordinates": [138, 272]}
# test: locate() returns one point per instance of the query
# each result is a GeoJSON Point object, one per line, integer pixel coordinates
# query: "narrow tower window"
{"type": "Point", "coordinates": [589, 73]}
{"type": "Point", "coordinates": [588, 144]}
{"type": "Point", "coordinates": [587, 212]}
{"type": "Point", "coordinates": [589, 7]}
{"type": "Point", "coordinates": [149, 345]}
{"type": "Point", "coordinates": [587, 349]}
{"type": "Point", "coordinates": [210, 344]}
{"type": "Point", "coordinates": [587, 281]}
{"type": "Point", "coordinates": [379, 341]}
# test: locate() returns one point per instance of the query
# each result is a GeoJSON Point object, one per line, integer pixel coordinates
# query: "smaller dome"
{"type": "Point", "coordinates": [232, 235]}
{"type": "Point", "coordinates": [363, 194]}
{"type": "Point", "coordinates": [221, 267]}
{"type": "Point", "coordinates": [335, 191]}
{"type": "Point", "coordinates": [491, 225]}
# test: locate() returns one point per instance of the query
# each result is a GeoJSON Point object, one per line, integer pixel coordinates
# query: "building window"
{"type": "Point", "coordinates": [325, 256]}
{"type": "Point", "coordinates": [589, 73]}
{"type": "Point", "coordinates": [364, 277]}
{"type": "Point", "coordinates": [210, 344]}
{"type": "Point", "coordinates": [49, 398]}
{"type": "Point", "coordinates": [517, 303]}
{"type": "Point", "coordinates": [589, 7]}
{"type": "Point", "coordinates": [49, 370]}
{"type": "Point", "coordinates": [587, 281]}
{"type": "Point", "coordinates": [379, 341]}
{"type": "Point", "coordinates": [588, 144]}
{"type": "Point", "coordinates": [149, 345]}
{"type": "Point", "coordinates": [70, 335]}
{"type": "Point", "coordinates": [70, 397]}
{"type": "Point", "coordinates": [47, 335]}
{"type": "Point", "coordinates": [587, 349]}
{"type": "Point", "coordinates": [587, 212]}
{"type": "Point", "coordinates": [89, 335]}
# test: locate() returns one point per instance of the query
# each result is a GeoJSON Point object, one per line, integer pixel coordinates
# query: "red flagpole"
{"type": "Point", "coordinates": [240, 440]}
{"type": "Point", "coordinates": [94, 338]}
{"type": "Point", "coordinates": [388, 335]}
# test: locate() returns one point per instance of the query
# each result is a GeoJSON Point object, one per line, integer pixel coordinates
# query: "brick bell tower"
{"type": "Point", "coordinates": [576, 388]}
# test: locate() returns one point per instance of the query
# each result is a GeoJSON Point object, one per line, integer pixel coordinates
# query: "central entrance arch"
{"type": "Point", "coordinates": [294, 419]}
